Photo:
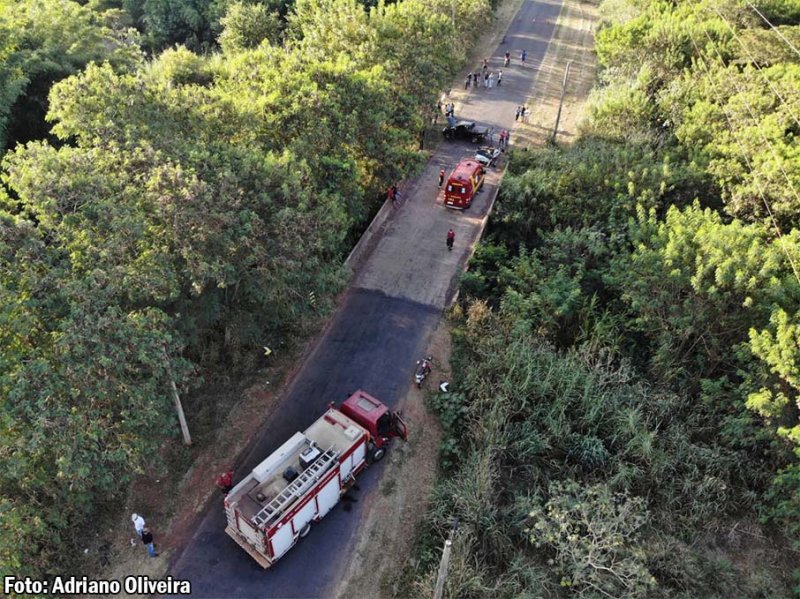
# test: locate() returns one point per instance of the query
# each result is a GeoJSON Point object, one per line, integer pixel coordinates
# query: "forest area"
{"type": "Point", "coordinates": [181, 181]}
{"type": "Point", "coordinates": [624, 421]}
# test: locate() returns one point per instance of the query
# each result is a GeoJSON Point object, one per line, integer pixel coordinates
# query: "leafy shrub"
{"type": "Point", "coordinates": [593, 536]}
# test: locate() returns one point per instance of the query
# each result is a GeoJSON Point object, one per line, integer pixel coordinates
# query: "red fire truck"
{"type": "Point", "coordinates": [464, 182]}
{"type": "Point", "coordinates": [304, 478]}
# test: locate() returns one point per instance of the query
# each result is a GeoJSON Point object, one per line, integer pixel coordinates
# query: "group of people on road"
{"type": "Point", "coordinates": [490, 79]}
{"type": "Point", "coordinates": [523, 113]}
{"type": "Point", "coordinates": [523, 56]}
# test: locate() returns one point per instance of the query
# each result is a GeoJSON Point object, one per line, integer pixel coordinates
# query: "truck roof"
{"type": "Point", "coordinates": [364, 407]}
{"type": "Point", "coordinates": [464, 169]}
{"type": "Point", "coordinates": [333, 432]}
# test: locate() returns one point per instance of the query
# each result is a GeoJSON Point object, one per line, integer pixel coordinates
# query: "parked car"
{"type": "Point", "coordinates": [468, 130]}
{"type": "Point", "coordinates": [487, 155]}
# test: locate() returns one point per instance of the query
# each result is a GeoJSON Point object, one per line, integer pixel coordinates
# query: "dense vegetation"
{"type": "Point", "coordinates": [625, 421]}
{"type": "Point", "coordinates": [181, 212]}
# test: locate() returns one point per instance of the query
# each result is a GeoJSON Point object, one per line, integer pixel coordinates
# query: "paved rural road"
{"type": "Point", "coordinates": [373, 342]}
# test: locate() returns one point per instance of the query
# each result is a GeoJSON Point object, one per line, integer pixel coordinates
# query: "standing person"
{"type": "Point", "coordinates": [507, 60]}
{"type": "Point", "coordinates": [225, 482]}
{"type": "Point", "coordinates": [391, 195]}
{"type": "Point", "coordinates": [451, 237]}
{"type": "Point", "coordinates": [519, 111]}
{"type": "Point", "coordinates": [485, 79]}
{"type": "Point", "coordinates": [499, 78]}
{"type": "Point", "coordinates": [503, 135]}
{"type": "Point", "coordinates": [138, 523]}
{"type": "Point", "coordinates": [147, 539]}
{"type": "Point", "coordinates": [526, 113]}
{"type": "Point", "coordinates": [468, 81]}
{"type": "Point", "coordinates": [491, 80]}
{"type": "Point", "coordinates": [523, 56]}
{"type": "Point", "coordinates": [441, 176]}
{"type": "Point", "coordinates": [485, 63]}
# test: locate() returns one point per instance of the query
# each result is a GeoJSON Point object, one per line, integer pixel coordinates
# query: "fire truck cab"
{"type": "Point", "coordinates": [464, 182]}
{"type": "Point", "coordinates": [380, 422]}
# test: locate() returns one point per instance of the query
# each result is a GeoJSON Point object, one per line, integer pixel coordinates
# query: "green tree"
{"type": "Point", "coordinates": [245, 26]}
{"type": "Point", "coordinates": [43, 42]}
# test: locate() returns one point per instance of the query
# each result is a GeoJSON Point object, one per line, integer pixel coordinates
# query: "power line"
{"type": "Point", "coordinates": [747, 161]}
{"type": "Point", "coordinates": [766, 20]}
{"type": "Point", "coordinates": [755, 64]}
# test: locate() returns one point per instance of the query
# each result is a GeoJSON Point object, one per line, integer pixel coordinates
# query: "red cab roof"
{"type": "Point", "coordinates": [364, 408]}
{"type": "Point", "coordinates": [464, 169]}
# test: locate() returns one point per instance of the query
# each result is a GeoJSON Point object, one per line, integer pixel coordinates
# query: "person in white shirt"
{"type": "Point", "coordinates": [138, 524]}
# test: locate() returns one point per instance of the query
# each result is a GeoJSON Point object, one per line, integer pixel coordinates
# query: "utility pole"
{"type": "Point", "coordinates": [561, 103]}
{"type": "Point", "coordinates": [187, 438]}
{"type": "Point", "coordinates": [444, 564]}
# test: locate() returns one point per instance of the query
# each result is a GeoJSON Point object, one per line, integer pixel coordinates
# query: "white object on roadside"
{"type": "Point", "coordinates": [443, 386]}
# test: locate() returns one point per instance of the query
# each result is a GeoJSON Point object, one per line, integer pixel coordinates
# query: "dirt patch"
{"type": "Point", "coordinates": [386, 537]}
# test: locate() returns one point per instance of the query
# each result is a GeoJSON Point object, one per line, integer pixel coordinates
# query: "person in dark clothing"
{"type": "Point", "coordinates": [147, 539]}
{"type": "Point", "coordinates": [451, 237]}
{"type": "Point", "coordinates": [441, 176]}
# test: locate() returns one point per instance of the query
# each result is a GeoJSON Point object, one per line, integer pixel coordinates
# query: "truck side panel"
{"type": "Point", "coordinates": [353, 460]}
{"type": "Point", "coordinates": [282, 541]}
{"type": "Point", "coordinates": [305, 515]}
{"type": "Point", "coordinates": [328, 497]}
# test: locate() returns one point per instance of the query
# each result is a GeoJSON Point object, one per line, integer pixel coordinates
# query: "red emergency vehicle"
{"type": "Point", "coordinates": [299, 483]}
{"type": "Point", "coordinates": [464, 182]}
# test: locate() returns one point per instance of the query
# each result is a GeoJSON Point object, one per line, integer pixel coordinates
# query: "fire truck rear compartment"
{"type": "Point", "coordinates": [334, 432]}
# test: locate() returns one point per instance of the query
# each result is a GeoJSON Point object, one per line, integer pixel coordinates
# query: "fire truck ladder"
{"type": "Point", "coordinates": [321, 465]}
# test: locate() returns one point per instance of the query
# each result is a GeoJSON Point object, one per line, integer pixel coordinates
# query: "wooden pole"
{"type": "Point", "coordinates": [444, 564]}
{"type": "Point", "coordinates": [561, 103]}
{"type": "Point", "coordinates": [187, 438]}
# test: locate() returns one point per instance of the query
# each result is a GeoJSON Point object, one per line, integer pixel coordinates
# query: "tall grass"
{"type": "Point", "coordinates": [528, 429]}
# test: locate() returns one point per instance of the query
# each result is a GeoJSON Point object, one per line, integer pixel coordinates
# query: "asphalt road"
{"type": "Point", "coordinates": [372, 342]}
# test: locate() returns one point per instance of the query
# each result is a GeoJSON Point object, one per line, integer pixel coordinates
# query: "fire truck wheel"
{"type": "Point", "coordinates": [378, 454]}
{"type": "Point", "coordinates": [305, 530]}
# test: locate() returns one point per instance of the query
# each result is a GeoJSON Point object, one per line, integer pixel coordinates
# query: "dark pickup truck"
{"type": "Point", "coordinates": [468, 130]}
